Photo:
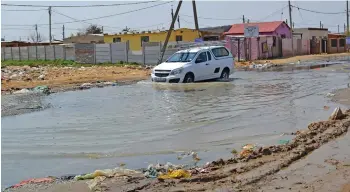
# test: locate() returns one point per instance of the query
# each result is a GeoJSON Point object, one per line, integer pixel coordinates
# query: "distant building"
{"type": "Point", "coordinates": [26, 44]}
{"type": "Point", "coordinates": [274, 28]}
{"type": "Point", "coordinates": [89, 38]}
{"type": "Point", "coordinates": [310, 33]}
{"type": "Point", "coordinates": [136, 38]}
{"type": "Point", "coordinates": [336, 43]}
{"type": "Point", "coordinates": [214, 33]}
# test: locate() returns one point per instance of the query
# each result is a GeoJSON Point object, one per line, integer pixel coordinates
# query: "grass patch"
{"type": "Point", "coordinates": [59, 63]}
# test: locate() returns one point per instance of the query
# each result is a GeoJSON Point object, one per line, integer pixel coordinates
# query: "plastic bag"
{"type": "Point", "coordinates": [175, 174]}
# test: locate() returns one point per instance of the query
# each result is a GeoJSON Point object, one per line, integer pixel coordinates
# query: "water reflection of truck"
{"type": "Point", "coordinates": [195, 64]}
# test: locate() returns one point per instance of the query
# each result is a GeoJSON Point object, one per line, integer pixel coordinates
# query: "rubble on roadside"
{"type": "Point", "coordinates": [250, 159]}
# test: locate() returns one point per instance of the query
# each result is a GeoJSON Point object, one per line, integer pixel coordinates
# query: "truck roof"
{"type": "Point", "coordinates": [196, 49]}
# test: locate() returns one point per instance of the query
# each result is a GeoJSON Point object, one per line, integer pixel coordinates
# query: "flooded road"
{"type": "Point", "coordinates": [148, 123]}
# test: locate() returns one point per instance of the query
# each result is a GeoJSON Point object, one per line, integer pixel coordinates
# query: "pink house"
{"type": "Point", "coordinates": [267, 45]}
{"type": "Point", "coordinates": [274, 28]}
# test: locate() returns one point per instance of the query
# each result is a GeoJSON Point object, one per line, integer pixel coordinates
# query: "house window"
{"type": "Point", "coordinates": [283, 36]}
{"type": "Point", "coordinates": [220, 52]}
{"type": "Point", "coordinates": [334, 42]}
{"type": "Point", "coordinates": [117, 39]}
{"type": "Point", "coordinates": [341, 42]}
{"type": "Point", "coordinates": [144, 39]}
{"type": "Point", "coordinates": [178, 37]}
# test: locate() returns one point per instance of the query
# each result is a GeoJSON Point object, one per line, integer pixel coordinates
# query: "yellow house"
{"type": "Point", "coordinates": [135, 44]}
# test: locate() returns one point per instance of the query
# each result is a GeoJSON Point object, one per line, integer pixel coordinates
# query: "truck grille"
{"type": "Point", "coordinates": [161, 74]}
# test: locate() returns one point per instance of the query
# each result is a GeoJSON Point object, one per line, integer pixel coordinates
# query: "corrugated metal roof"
{"type": "Point", "coordinates": [264, 27]}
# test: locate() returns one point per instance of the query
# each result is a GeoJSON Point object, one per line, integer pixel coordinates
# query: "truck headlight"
{"type": "Point", "coordinates": [176, 71]}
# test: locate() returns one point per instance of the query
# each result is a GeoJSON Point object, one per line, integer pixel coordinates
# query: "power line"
{"type": "Point", "coordinates": [72, 6]}
{"type": "Point", "coordinates": [313, 11]}
{"type": "Point", "coordinates": [96, 18]}
{"type": "Point", "coordinates": [23, 10]}
{"type": "Point", "coordinates": [277, 11]}
{"type": "Point", "coordinates": [210, 18]}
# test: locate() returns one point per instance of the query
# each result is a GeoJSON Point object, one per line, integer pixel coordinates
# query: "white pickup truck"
{"type": "Point", "coordinates": [195, 64]}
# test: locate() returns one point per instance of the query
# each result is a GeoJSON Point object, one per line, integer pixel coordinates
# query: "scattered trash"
{"type": "Point", "coordinates": [94, 182]}
{"type": "Point", "coordinates": [329, 95]}
{"type": "Point", "coordinates": [41, 77]}
{"type": "Point", "coordinates": [248, 147]}
{"type": "Point", "coordinates": [22, 91]}
{"type": "Point", "coordinates": [234, 151]}
{"type": "Point", "coordinates": [247, 150]}
{"type": "Point", "coordinates": [153, 171]}
{"type": "Point", "coordinates": [67, 177]}
{"type": "Point", "coordinates": [337, 114]}
{"type": "Point", "coordinates": [38, 180]}
{"type": "Point", "coordinates": [175, 174]}
{"type": "Point", "coordinates": [325, 107]}
{"type": "Point", "coordinates": [43, 89]}
{"type": "Point", "coordinates": [85, 86]}
{"type": "Point", "coordinates": [187, 154]}
{"type": "Point", "coordinates": [283, 142]}
{"type": "Point", "coordinates": [106, 173]}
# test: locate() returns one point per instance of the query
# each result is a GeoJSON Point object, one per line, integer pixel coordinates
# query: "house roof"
{"type": "Point", "coordinates": [217, 29]}
{"type": "Point", "coordinates": [264, 27]}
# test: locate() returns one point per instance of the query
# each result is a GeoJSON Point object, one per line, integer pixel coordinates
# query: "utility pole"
{"type": "Point", "coordinates": [63, 37]}
{"type": "Point", "coordinates": [243, 19]}
{"type": "Point", "coordinates": [291, 24]}
{"type": "Point", "coordinates": [50, 24]}
{"type": "Point", "coordinates": [37, 34]}
{"type": "Point", "coordinates": [102, 29]}
{"type": "Point", "coordinates": [178, 21]}
{"type": "Point", "coordinates": [320, 25]}
{"type": "Point", "coordinates": [338, 29]}
{"type": "Point", "coordinates": [172, 12]}
{"type": "Point", "coordinates": [347, 18]}
{"type": "Point", "coordinates": [195, 17]}
{"type": "Point", "coordinates": [169, 32]}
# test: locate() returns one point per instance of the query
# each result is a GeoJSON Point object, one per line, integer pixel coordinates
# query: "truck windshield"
{"type": "Point", "coordinates": [182, 57]}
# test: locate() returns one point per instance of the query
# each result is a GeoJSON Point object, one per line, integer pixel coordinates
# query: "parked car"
{"type": "Point", "coordinates": [195, 64]}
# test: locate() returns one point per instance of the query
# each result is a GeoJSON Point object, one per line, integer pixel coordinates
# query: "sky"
{"type": "Point", "coordinates": [17, 23]}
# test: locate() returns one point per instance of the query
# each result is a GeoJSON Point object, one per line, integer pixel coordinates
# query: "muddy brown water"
{"type": "Point", "coordinates": [148, 123]}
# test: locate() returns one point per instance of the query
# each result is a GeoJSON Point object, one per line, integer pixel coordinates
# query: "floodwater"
{"type": "Point", "coordinates": [148, 123]}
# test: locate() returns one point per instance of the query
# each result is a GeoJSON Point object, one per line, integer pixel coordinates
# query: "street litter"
{"type": "Point", "coordinates": [94, 182]}
{"type": "Point", "coordinates": [175, 174]}
{"type": "Point", "coordinates": [22, 91]}
{"type": "Point", "coordinates": [85, 86]}
{"type": "Point", "coordinates": [153, 171]}
{"type": "Point", "coordinates": [337, 114]}
{"type": "Point", "coordinates": [107, 173]}
{"type": "Point", "coordinates": [283, 142]}
{"type": "Point", "coordinates": [29, 181]}
{"type": "Point", "coordinates": [325, 107]}
{"type": "Point", "coordinates": [194, 155]}
{"type": "Point", "coordinates": [329, 95]}
{"type": "Point", "coordinates": [43, 89]}
{"type": "Point", "coordinates": [247, 150]}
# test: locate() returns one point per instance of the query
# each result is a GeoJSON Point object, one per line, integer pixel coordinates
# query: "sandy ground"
{"type": "Point", "coordinates": [68, 77]}
{"type": "Point", "coordinates": [295, 59]}
{"type": "Point", "coordinates": [317, 159]}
